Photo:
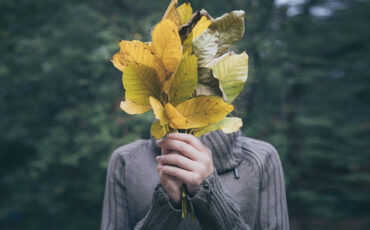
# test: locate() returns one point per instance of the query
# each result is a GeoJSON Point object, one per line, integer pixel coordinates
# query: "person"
{"type": "Point", "coordinates": [233, 182]}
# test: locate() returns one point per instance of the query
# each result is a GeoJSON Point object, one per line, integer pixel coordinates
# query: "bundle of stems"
{"type": "Point", "coordinates": [186, 205]}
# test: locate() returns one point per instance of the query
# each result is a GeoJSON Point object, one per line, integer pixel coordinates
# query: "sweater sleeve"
{"type": "Point", "coordinates": [272, 211]}
{"type": "Point", "coordinates": [115, 215]}
{"type": "Point", "coordinates": [214, 208]}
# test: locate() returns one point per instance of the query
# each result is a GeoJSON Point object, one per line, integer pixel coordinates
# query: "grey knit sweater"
{"type": "Point", "coordinates": [245, 191]}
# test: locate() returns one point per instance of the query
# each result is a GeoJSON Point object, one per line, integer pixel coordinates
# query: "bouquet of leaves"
{"type": "Point", "coordinates": [186, 74]}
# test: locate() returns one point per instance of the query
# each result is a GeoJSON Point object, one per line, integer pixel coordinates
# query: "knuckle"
{"type": "Point", "coordinates": [202, 167]}
{"type": "Point", "coordinates": [204, 159]}
{"type": "Point", "coordinates": [207, 164]}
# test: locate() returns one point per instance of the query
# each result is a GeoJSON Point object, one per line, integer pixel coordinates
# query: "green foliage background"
{"type": "Point", "coordinates": [308, 94]}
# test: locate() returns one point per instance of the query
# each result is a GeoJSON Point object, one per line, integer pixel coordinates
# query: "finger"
{"type": "Point", "coordinates": [168, 178]}
{"type": "Point", "coordinates": [166, 151]}
{"type": "Point", "coordinates": [179, 161]}
{"type": "Point", "coordinates": [181, 174]}
{"type": "Point", "coordinates": [163, 149]}
{"type": "Point", "coordinates": [188, 138]}
{"type": "Point", "coordinates": [182, 147]}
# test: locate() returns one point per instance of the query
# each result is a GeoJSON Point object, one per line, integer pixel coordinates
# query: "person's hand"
{"type": "Point", "coordinates": [171, 184]}
{"type": "Point", "coordinates": [192, 166]}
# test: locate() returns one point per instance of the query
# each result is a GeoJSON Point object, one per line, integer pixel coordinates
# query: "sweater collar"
{"type": "Point", "coordinates": [225, 147]}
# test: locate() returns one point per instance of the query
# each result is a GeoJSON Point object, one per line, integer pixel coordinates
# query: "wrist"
{"type": "Point", "coordinates": [204, 184]}
{"type": "Point", "coordinates": [163, 197]}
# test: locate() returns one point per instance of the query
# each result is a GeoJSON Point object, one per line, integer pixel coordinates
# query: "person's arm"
{"type": "Point", "coordinates": [214, 208]}
{"type": "Point", "coordinates": [273, 211]}
{"type": "Point", "coordinates": [161, 215]}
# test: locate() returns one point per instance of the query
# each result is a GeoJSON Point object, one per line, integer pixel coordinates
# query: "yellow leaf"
{"type": "Point", "coordinates": [158, 111]}
{"type": "Point", "coordinates": [227, 125]}
{"type": "Point", "coordinates": [232, 72]}
{"type": "Point", "coordinates": [119, 61]}
{"type": "Point", "coordinates": [184, 81]}
{"type": "Point", "coordinates": [185, 11]}
{"type": "Point", "coordinates": [166, 45]}
{"type": "Point", "coordinates": [138, 52]}
{"type": "Point", "coordinates": [198, 29]}
{"type": "Point", "coordinates": [131, 108]}
{"type": "Point", "coordinates": [172, 14]}
{"type": "Point", "coordinates": [187, 47]}
{"type": "Point", "coordinates": [175, 119]}
{"type": "Point", "coordinates": [197, 112]}
{"type": "Point", "coordinates": [230, 27]}
{"type": "Point", "coordinates": [204, 109]}
{"type": "Point", "coordinates": [140, 82]}
{"type": "Point", "coordinates": [201, 26]}
{"type": "Point", "coordinates": [157, 130]}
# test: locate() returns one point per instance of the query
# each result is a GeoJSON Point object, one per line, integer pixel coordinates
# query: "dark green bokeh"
{"type": "Point", "coordinates": [308, 94]}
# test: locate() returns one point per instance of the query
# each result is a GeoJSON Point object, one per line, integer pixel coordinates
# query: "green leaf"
{"type": "Point", "coordinates": [232, 72]}
{"type": "Point", "coordinates": [140, 82]}
{"type": "Point", "coordinates": [157, 130]}
{"type": "Point", "coordinates": [207, 83]}
{"type": "Point", "coordinates": [185, 12]}
{"type": "Point", "coordinates": [205, 46]}
{"type": "Point", "coordinates": [228, 125]}
{"type": "Point", "coordinates": [230, 27]}
{"type": "Point", "coordinates": [184, 81]}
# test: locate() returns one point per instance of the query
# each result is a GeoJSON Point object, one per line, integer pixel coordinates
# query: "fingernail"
{"type": "Point", "coordinates": [160, 166]}
{"type": "Point", "coordinates": [158, 158]}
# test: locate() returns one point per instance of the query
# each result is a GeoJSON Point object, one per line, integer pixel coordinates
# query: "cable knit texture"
{"type": "Point", "coordinates": [134, 198]}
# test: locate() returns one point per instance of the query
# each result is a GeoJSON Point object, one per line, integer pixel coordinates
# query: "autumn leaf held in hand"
{"type": "Point", "coordinates": [186, 74]}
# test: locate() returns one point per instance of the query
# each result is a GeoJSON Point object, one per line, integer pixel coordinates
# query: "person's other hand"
{"type": "Point", "coordinates": [171, 184]}
{"type": "Point", "coordinates": [192, 166]}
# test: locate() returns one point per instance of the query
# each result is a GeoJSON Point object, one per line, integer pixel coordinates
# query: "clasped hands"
{"type": "Point", "coordinates": [184, 159]}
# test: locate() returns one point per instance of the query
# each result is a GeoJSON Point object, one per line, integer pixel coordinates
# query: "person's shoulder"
{"type": "Point", "coordinates": [131, 150]}
{"type": "Point", "coordinates": [263, 148]}
{"type": "Point", "coordinates": [259, 152]}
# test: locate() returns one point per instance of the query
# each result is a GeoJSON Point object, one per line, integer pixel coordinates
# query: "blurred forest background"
{"type": "Point", "coordinates": [308, 93]}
